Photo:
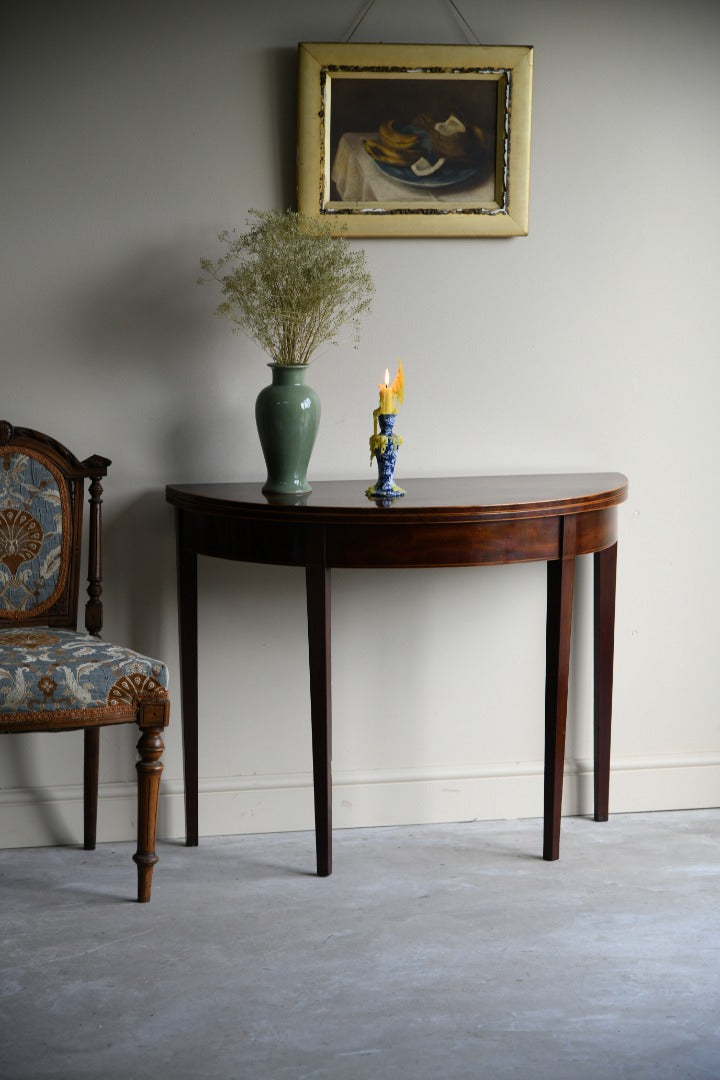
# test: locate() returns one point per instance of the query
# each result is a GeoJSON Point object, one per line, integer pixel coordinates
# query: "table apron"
{"type": "Point", "coordinates": [391, 544]}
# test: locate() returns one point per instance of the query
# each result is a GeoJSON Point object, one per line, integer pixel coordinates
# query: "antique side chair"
{"type": "Point", "coordinates": [52, 676]}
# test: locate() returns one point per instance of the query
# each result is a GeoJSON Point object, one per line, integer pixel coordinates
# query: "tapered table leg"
{"type": "Point", "coordinates": [187, 619]}
{"type": "Point", "coordinates": [604, 580]}
{"type": "Point", "coordinates": [560, 581]}
{"type": "Point", "coordinates": [317, 579]}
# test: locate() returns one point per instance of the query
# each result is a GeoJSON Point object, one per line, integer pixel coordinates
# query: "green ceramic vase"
{"type": "Point", "coordinates": [287, 414]}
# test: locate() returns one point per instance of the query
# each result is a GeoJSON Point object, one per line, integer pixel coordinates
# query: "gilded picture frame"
{"type": "Point", "coordinates": [415, 140]}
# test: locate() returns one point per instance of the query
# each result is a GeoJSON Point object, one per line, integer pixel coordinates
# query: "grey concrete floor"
{"type": "Point", "coordinates": [441, 951]}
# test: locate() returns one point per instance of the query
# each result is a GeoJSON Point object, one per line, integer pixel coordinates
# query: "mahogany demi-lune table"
{"type": "Point", "coordinates": [440, 522]}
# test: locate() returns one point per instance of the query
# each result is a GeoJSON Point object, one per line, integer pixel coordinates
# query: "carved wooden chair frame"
{"type": "Point", "coordinates": [150, 711]}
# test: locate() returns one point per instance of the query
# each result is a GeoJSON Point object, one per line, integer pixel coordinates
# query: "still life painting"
{"type": "Point", "coordinates": [412, 140]}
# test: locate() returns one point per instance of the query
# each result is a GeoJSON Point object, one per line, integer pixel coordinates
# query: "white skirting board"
{"type": "Point", "coordinates": [237, 805]}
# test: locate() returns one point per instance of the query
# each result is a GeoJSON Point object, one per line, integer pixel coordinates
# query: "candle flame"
{"type": "Point", "coordinates": [387, 377]}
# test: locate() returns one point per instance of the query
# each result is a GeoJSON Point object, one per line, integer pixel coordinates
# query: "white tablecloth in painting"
{"type": "Point", "coordinates": [358, 179]}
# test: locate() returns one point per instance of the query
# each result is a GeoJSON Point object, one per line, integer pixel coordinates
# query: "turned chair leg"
{"type": "Point", "coordinates": [91, 761]}
{"type": "Point", "coordinates": [153, 717]}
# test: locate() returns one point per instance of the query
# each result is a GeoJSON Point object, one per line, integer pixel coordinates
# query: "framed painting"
{"type": "Point", "coordinates": [415, 140]}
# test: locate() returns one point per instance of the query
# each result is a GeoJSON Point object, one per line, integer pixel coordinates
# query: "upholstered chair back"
{"type": "Point", "coordinates": [41, 510]}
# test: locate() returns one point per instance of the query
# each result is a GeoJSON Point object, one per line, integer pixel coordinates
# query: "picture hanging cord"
{"type": "Point", "coordinates": [452, 4]}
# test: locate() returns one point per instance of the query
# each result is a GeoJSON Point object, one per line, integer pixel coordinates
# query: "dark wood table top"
{"type": "Point", "coordinates": [461, 498]}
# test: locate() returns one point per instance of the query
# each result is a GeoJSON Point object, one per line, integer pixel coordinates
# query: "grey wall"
{"type": "Point", "coordinates": [131, 134]}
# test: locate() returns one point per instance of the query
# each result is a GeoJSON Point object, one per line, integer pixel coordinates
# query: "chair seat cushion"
{"type": "Point", "coordinates": [65, 672]}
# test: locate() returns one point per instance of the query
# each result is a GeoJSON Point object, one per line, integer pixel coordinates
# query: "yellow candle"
{"type": "Point", "coordinates": [386, 394]}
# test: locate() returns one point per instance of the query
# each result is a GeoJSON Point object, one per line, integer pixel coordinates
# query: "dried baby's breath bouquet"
{"type": "Point", "coordinates": [290, 285]}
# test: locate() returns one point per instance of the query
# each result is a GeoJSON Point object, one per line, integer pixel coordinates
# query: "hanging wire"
{"type": "Point", "coordinates": [460, 15]}
{"type": "Point", "coordinates": [357, 24]}
{"type": "Point", "coordinates": [452, 4]}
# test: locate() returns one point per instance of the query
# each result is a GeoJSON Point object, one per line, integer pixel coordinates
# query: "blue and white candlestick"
{"type": "Point", "coordinates": [384, 448]}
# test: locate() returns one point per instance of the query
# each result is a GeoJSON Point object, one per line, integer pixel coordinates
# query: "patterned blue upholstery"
{"type": "Point", "coordinates": [63, 672]}
{"type": "Point", "coordinates": [33, 522]}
